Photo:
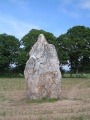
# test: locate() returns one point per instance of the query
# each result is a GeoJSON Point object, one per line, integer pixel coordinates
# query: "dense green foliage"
{"type": "Point", "coordinates": [29, 39]}
{"type": "Point", "coordinates": [9, 48]}
{"type": "Point", "coordinates": [75, 45]}
{"type": "Point", "coordinates": [73, 49]}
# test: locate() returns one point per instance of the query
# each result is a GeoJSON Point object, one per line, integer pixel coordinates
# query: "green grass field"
{"type": "Point", "coordinates": [86, 75]}
{"type": "Point", "coordinates": [74, 103]}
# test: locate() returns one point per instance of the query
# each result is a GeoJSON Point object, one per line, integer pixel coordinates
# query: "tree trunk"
{"type": "Point", "coordinates": [77, 73]}
{"type": "Point", "coordinates": [81, 74]}
{"type": "Point", "coordinates": [70, 73]}
{"type": "Point", "coordinates": [71, 70]}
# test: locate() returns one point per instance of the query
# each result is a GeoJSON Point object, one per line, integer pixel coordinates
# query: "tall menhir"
{"type": "Point", "coordinates": [42, 72]}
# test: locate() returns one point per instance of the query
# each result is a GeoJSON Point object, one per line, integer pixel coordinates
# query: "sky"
{"type": "Point", "coordinates": [18, 17]}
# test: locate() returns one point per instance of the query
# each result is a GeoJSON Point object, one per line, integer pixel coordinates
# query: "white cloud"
{"type": "Point", "coordinates": [85, 4]}
{"type": "Point", "coordinates": [69, 8]}
{"type": "Point", "coordinates": [70, 13]}
{"type": "Point", "coordinates": [15, 27]}
{"type": "Point", "coordinates": [74, 8]}
{"type": "Point", "coordinates": [20, 3]}
{"type": "Point", "coordinates": [66, 2]}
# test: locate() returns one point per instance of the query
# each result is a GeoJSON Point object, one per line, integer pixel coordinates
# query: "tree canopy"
{"type": "Point", "coordinates": [76, 47]}
{"type": "Point", "coordinates": [29, 39]}
{"type": "Point", "coordinates": [9, 47]}
{"type": "Point", "coordinates": [73, 49]}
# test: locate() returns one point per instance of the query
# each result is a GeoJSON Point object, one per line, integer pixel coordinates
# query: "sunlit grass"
{"type": "Point", "coordinates": [9, 84]}
{"type": "Point", "coordinates": [68, 83]}
{"type": "Point", "coordinates": [14, 105]}
{"type": "Point", "coordinates": [85, 75]}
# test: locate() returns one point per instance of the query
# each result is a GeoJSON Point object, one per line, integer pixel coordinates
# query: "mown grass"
{"type": "Point", "coordinates": [68, 83]}
{"type": "Point", "coordinates": [80, 117]}
{"type": "Point", "coordinates": [14, 106]}
{"type": "Point", "coordinates": [2, 98]}
{"type": "Point", "coordinates": [86, 75]}
{"type": "Point", "coordinates": [9, 84]}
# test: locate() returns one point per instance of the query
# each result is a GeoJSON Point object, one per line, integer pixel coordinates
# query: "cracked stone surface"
{"type": "Point", "coordinates": [42, 72]}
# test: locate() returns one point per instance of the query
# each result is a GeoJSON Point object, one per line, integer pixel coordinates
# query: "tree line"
{"type": "Point", "coordinates": [73, 49]}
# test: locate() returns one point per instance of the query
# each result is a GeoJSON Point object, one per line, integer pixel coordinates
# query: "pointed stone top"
{"type": "Point", "coordinates": [41, 38]}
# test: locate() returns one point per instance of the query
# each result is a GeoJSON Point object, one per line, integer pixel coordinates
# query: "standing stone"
{"type": "Point", "coordinates": [42, 71]}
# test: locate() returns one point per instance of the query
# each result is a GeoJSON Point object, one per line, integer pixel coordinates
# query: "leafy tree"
{"type": "Point", "coordinates": [76, 44]}
{"type": "Point", "coordinates": [80, 36]}
{"type": "Point", "coordinates": [29, 39]}
{"type": "Point", "coordinates": [62, 49]}
{"type": "Point", "coordinates": [20, 61]}
{"type": "Point", "coordinates": [9, 46]}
